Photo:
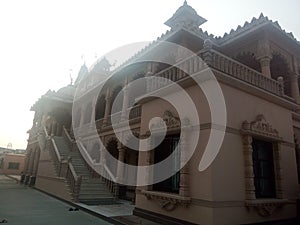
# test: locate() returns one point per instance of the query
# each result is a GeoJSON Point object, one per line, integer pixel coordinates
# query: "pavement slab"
{"type": "Point", "coordinates": [21, 205]}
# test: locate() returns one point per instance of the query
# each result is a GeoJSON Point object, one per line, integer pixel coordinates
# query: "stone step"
{"type": "Point", "coordinates": [99, 201]}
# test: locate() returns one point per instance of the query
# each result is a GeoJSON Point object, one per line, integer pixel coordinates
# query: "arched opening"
{"type": "Point", "coordinates": [112, 148]}
{"type": "Point", "coordinates": [279, 67]}
{"type": "Point", "coordinates": [248, 59]}
{"type": "Point", "coordinates": [88, 113]}
{"type": "Point", "coordinates": [118, 102]}
{"type": "Point", "coordinates": [100, 107]}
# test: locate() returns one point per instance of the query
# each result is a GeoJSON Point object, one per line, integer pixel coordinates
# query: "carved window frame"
{"type": "Point", "coordinates": [170, 201]}
{"type": "Point", "coordinates": [261, 129]}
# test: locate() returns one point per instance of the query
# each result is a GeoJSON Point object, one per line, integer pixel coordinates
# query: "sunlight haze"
{"type": "Point", "coordinates": [43, 42]}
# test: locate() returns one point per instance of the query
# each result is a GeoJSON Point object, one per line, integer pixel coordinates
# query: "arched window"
{"type": "Point", "coordinates": [117, 101]}
{"type": "Point", "coordinates": [88, 113]}
{"type": "Point", "coordinates": [112, 148]}
{"type": "Point", "coordinates": [100, 107]}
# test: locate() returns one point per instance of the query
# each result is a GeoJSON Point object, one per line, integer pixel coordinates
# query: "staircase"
{"type": "Point", "coordinates": [86, 188]}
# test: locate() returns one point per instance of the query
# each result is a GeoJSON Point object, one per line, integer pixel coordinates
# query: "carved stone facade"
{"type": "Point", "coordinates": [257, 68]}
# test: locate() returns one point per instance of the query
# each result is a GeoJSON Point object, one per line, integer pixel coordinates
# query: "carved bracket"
{"type": "Point", "coordinates": [166, 201]}
{"type": "Point", "coordinates": [170, 120]}
{"type": "Point", "coordinates": [266, 208]}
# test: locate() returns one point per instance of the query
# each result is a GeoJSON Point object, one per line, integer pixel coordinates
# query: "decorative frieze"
{"type": "Point", "coordinates": [260, 127]}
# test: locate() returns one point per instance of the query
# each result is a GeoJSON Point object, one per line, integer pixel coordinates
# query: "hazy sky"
{"type": "Point", "coordinates": [42, 40]}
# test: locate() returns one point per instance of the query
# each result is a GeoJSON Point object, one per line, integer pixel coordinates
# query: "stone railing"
{"type": "Point", "coordinates": [107, 176]}
{"type": "Point", "coordinates": [64, 167]}
{"type": "Point", "coordinates": [214, 59]}
{"type": "Point", "coordinates": [74, 181]}
{"type": "Point", "coordinates": [242, 72]}
{"type": "Point", "coordinates": [135, 112]}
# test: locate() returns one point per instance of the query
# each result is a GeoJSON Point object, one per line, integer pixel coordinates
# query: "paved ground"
{"type": "Point", "coordinates": [21, 205]}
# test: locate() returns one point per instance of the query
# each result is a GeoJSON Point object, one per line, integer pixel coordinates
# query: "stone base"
{"type": "Point", "coordinates": [26, 180]}
{"type": "Point", "coordinates": [32, 181]}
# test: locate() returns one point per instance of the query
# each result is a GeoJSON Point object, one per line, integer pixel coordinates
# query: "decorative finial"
{"type": "Point", "coordinates": [185, 2]}
{"type": "Point", "coordinates": [82, 58]}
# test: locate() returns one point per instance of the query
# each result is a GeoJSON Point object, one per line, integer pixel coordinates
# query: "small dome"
{"type": "Point", "coordinates": [101, 65]}
{"type": "Point", "coordinates": [67, 91]}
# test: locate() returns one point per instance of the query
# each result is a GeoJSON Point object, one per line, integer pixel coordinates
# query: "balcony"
{"type": "Point", "coordinates": [220, 62]}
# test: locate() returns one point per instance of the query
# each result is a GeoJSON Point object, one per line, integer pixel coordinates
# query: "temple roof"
{"type": "Point", "coordinates": [254, 24]}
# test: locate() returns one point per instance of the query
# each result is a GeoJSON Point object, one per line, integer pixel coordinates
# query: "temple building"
{"type": "Point", "coordinates": [252, 178]}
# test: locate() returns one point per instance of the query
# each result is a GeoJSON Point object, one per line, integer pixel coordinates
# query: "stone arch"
{"type": "Point", "coordinates": [119, 102]}
{"type": "Point", "coordinates": [249, 59]}
{"type": "Point", "coordinates": [131, 155]}
{"type": "Point", "coordinates": [88, 113]}
{"type": "Point", "coordinates": [112, 148]}
{"type": "Point", "coordinates": [279, 67]}
{"type": "Point", "coordinates": [100, 107]}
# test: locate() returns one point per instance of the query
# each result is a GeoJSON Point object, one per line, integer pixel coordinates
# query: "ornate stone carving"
{"type": "Point", "coordinates": [261, 127]}
{"type": "Point", "coordinates": [166, 201]}
{"type": "Point", "coordinates": [266, 208]}
{"type": "Point", "coordinates": [170, 120]}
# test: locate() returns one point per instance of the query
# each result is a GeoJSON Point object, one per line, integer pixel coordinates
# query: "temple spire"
{"type": "Point", "coordinates": [185, 16]}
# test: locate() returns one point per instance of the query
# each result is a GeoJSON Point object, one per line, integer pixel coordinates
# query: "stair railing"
{"type": "Point", "coordinates": [67, 137]}
{"type": "Point", "coordinates": [74, 181]}
{"type": "Point", "coordinates": [107, 176]}
{"type": "Point", "coordinates": [110, 180]}
{"type": "Point", "coordinates": [54, 152]}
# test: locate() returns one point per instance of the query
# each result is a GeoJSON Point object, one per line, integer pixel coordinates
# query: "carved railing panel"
{"type": "Point", "coordinates": [242, 72]}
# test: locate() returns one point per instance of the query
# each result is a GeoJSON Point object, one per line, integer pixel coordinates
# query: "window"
{"type": "Point", "coordinates": [13, 166]}
{"type": "Point", "coordinates": [263, 168]}
{"type": "Point", "coordinates": [160, 153]}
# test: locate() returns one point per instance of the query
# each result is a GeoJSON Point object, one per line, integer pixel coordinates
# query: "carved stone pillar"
{"type": "Point", "coordinates": [278, 171]}
{"type": "Point", "coordinates": [249, 173]}
{"type": "Point", "coordinates": [121, 157]}
{"type": "Point", "coordinates": [36, 162]}
{"type": "Point", "coordinates": [30, 167]}
{"type": "Point", "coordinates": [184, 172]}
{"type": "Point", "coordinates": [125, 100]}
{"type": "Point", "coordinates": [26, 165]}
{"type": "Point", "coordinates": [107, 107]}
{"type": "Point", "coordinates": [34, 167]}
{"type": "Point", "coordinates": [295, 87]}
{"type": "Point", "coordinates": [265, 65]}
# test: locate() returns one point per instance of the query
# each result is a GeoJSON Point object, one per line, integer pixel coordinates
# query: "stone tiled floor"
{"type": "Point", "coordinates": [21, 205]}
